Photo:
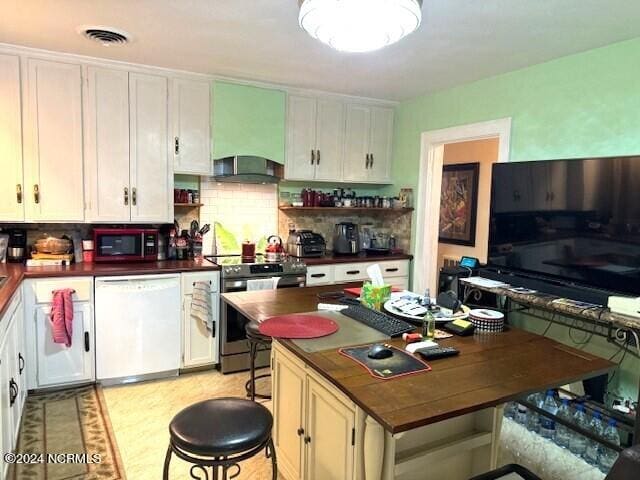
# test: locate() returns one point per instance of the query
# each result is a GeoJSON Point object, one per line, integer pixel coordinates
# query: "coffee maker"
{"type": "Point", "coordinates": [17, 246]}
{"type": "Point", "coordinates": [346, 239]}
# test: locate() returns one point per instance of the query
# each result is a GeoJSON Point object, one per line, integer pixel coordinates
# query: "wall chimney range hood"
{"type": "Point", "coordinates": [247, 169]}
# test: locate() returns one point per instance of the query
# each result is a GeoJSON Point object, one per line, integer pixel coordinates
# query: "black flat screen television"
{"type": "Point", "coordinates": [576, 221]}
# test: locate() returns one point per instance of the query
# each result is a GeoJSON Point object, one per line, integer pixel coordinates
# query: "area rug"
{"type": "Point", "coordinates": [73, 422]}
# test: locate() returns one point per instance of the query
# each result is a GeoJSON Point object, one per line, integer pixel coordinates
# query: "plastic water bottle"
{"type": "Point", "coordinates": [578, 442]}
{"type": "Point", "coordinates": [521, 414]}
{"type": "Point", "coordinates": [593, 448]}
{"type": "Point", "coordinates": [533, 419]}
{"type": "Point", "coordinates": [548, 424]}
{"type": "Point", "coordinates": [608, 456]}
{"type": "Point", "coordinates": [510, 410]}
{"type": "Point", "coordinates": [563, 434]}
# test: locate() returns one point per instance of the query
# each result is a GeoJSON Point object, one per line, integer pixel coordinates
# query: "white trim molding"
{"type": "Point", "coordinates": [429, 183]}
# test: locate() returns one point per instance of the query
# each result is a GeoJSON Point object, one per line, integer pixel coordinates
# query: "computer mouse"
{"type": "Point", "coordinates": [379, 351]}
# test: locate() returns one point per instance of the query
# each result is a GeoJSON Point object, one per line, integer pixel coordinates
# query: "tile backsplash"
{"type": "Point", "coordinates": [389, 222]}
{"type": "Point", "coordinates": [245, 211]}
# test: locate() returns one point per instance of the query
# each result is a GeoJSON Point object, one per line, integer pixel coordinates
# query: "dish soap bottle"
{"type": "Point", "coordinates": [428, 326]}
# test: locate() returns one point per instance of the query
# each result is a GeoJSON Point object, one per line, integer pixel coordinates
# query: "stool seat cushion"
{"type": "Point", "coordinates": [253, 330]}
{"type": "Point", "coordinates": [221, 427]}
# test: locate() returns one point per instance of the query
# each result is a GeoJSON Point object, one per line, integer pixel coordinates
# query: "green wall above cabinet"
{"type": "Point", "coordinates": [248, 121]}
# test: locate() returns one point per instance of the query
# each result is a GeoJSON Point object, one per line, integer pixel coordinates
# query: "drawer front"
{"type": "Point", "coordinates": [320, 275]}
{"type": "Point", "coordinates": [83, 289]}
{"type": "Point", "coordinates": [396, 268]}
{"type": "Point", "coordinates": [351, 272]}
{"type": "Point", "coordinates": [399, 282]}
{"type": "Point", "coordinates": [190, 278]}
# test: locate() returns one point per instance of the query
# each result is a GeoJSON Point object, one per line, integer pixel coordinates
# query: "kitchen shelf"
{"type": "Point", "coordinates": [346, 209]}
{"type": "Point", "coordinates": [188, 205]}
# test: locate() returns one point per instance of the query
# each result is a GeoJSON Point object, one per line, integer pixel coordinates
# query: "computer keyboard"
{"type": "Point", "coordinates": [378, 320]}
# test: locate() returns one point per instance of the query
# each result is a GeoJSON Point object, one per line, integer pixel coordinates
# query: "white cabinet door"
{"type": "Point", "coordinates": [301, 138]}
{"type": "Point", "coordinates": [199, 346]}
{"type": "Point", "coordinates": [380, 144]}
{"type": "Point", "coordinates": [20, 359]}
{"type": "Point", "coordinates": [11, 182]}
{"type": "Point", "coordinates": [57, 363]}
{"type": "Point", "coordinates": [356, 146]}
{"type": "Point", "coordinates": [107, 145]}
{"type": "Point", "coordinates": [53, 146]}
{"type": "Point", "coordinates": [288, 412]}
{"type": "Point", "coordinates": [191, 124]}
{"type": "Point", "coordinates": [329, 140]}
{"type": "Point", "coordinates": [6, 396]}
{"type": "Point", "coordinates": [330, 435]}
{"type": "Point", "coordinates": [150, 174]}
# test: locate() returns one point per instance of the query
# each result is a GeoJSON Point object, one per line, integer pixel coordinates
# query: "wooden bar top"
{"type": "Point", "coordinates": [490, 370]}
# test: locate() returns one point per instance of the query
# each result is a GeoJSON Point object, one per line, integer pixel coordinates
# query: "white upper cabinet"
{"type": "Point", "coordinates": [190, 103]}
{"type": "Point", "coordinates": [356, 156]}
{"type": "Point", "coordinates": [336, 141]}
{"type": "Point", "coordinates": [380, 144]}
{"type": "Point", "coordinates": [151, 176]}
{"type": "Point", "coordinates": [107, 145]}
{"type": "Point", "coordinates": [301, 138]}
{"type": "Point", "coordinates": [11, 183]}
{"type": "Point", "coordinates": [53, 142]}
{"type": "Point", "coordinates": [369, 137]}
{"type": "Point", "coordinates": [329, 139]}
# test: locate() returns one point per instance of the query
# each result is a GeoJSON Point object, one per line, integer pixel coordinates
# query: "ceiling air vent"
{"type": "Point", "coordinates": [106, 36]}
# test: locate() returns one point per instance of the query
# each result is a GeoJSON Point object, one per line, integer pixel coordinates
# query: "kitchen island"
{"type": "Point", "coordinates": [334, 420]}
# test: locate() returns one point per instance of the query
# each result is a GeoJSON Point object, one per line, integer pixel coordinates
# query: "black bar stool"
{"type": "Point", "coordinates": [218, 434]}
{"type": "Point", "coordinates": [257, 343]}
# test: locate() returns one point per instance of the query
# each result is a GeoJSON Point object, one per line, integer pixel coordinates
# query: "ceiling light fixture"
{"type": "Point", "coordinates": [359, 25]}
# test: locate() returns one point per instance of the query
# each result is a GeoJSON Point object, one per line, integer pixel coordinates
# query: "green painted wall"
{"type": "Point", "coordinates": [248, 121]}
{"type": "Point", "coordinates": [582, 105]}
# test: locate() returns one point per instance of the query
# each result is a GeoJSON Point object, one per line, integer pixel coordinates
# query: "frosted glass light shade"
{"type": "Point", "coordinates": [359, 25]}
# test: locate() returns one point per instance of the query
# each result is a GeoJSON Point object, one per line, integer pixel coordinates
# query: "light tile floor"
{"type": "Point", "coordinates": [140, 415]}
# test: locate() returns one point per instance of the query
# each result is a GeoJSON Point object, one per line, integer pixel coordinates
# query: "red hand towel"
{"type": "Point", "coordinates": [62, 316]}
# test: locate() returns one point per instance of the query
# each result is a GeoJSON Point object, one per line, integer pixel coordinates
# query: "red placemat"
{"type": "Point", "coordinates": [298, 325]}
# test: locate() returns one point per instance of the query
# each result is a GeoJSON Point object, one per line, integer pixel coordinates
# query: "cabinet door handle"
{"type": "Point", "coordinates": [133, 196]}
{"type": "Point", "coordinates": [126, 196]}
{"type": "Point", "coordinates": [372, 160]}
{"type": "Point", "coordinates": [391, 269]}
{"type": "Point", "coordinates": [20, 363]}
{"type": "Point", "coordinates": [87, 346]}
{"type": "Point", "coordinates": [176, 145]}
{"type": "Point", "coordinates": [318, 275]}
{"type": "Point", "coordinates": [366, 162]}
{"type": "Point", "coordinates": [307, 439]}
{"type": "Point", "coordinates": [353, 272]}
{"type": "Point", "coordinates": [36, 193]}
{"type": "Point", "coordinates": [19, 193]}
{"type": "Point", "coordinates": [313, 156]}
{"type": "Point", "coordinates": [317, 157]}
{"type": "Point", "coordinates": [300, 431]}
{"type": "Point", "coordinates": [13, 392]}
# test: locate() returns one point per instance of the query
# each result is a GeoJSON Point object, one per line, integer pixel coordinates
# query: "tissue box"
{"type": "Point", "coordinates": [374, 297]}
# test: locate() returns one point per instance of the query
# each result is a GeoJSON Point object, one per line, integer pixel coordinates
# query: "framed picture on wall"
{"type": "Point", "coordinates": [459, 204]}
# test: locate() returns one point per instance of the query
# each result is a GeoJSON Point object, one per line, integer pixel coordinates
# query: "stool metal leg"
{"type": "Point", "coordinates": [167, 460]}
{"type": "Point", "coordinates": [271, 452]}
{"type": "Point", "coordinates": [253, 353]}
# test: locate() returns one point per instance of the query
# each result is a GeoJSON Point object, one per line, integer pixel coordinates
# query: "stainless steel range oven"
{"type": "Point", "coordinates": [234, 348]}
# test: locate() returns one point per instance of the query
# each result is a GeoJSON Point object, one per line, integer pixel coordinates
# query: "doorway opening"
{"type": "Point", "coordinates": [483, 143]}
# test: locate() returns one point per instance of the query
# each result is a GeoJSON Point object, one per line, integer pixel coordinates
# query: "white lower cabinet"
{"type": "Point", "coordinates": [395, 272]}
{"type": "Point", "coordinates": [199, 344]}
{"type": "Point", "coordinates": [314, 430]}
{"type": "Point", "coordinates": [12, 376]}
{"type": "Point", "coordinates": [56, 364]}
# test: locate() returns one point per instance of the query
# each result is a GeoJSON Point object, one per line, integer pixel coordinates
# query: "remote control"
{"type": "Point", "coordinates": [431, 353]}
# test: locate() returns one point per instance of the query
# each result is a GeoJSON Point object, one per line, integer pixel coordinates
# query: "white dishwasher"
{"type": "Point", "coordinates": [137, 327]}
